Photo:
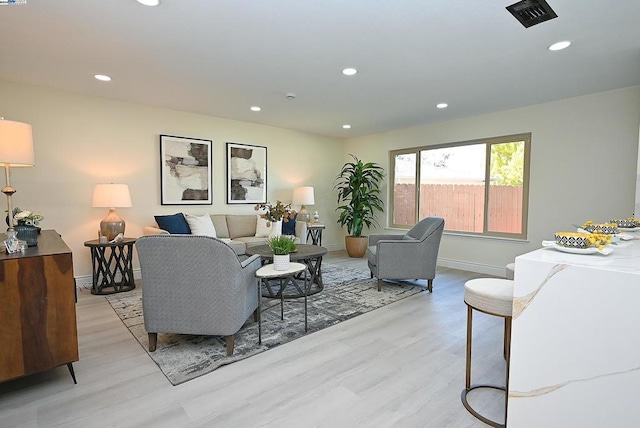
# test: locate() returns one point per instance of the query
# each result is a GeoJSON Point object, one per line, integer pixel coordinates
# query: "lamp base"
{"type": "Point", "coordinates": [303, 215]}
{"type": "Point", "coordinates": [112, 225]}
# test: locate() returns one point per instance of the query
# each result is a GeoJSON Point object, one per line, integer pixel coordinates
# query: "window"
{"type": "Point", "coordinates": [478, 187]}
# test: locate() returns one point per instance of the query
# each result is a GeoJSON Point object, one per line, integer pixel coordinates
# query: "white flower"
{"type": "Point", "coordinates": [26, 217]}
{"type": "Point", "coordinates": [21, 215]}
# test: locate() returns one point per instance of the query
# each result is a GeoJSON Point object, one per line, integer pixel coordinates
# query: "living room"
{"type": "Point", "coordinates": [584, 165]}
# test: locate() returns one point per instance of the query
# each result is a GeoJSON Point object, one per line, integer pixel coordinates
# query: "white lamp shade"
{"type": "Point", "coordinates": [303, 195]}
{"type": "Point", "coordinates": [111, 196]}
{"type": "Point", "coordinates": [16, 144]}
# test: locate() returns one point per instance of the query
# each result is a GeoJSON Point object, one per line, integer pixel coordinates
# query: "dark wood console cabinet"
{"type": "Point", "coordinates": [38, 308]}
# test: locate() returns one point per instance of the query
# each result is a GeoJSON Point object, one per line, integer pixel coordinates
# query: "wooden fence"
{"type": "Point", "coordinates": [462, 206]}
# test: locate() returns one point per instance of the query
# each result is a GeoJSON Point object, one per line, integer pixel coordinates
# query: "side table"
{"type": "Point", "coordinates": [314, 231]}
{"type": "Point", "coordinates": [284, 277]}
{"type": "Point", "coordinates": [112, 265]}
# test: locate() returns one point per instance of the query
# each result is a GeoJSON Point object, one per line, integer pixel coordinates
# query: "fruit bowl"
{"type": "Point", "coordinates": [604, 228]}
{"type": "Point", "coordinates": [627, 223]}
{"type": "Point", "coordinates": [572, 239]}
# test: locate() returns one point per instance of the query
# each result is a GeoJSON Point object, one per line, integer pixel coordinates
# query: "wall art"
{"type": "Point", "coordinates": [246, 174]}
{"type": "Point", "coordinates": [186, 171]}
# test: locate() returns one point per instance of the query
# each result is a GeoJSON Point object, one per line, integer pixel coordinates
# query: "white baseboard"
{"type": "Point", "coordinates": [499, 271]}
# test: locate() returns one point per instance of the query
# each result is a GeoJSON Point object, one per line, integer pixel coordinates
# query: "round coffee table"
{"type": "Point", "coordinates": [310, 255]}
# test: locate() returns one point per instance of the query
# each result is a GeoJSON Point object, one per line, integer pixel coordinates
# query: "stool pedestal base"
{"type": "Point", "coordinates": [465, 403]}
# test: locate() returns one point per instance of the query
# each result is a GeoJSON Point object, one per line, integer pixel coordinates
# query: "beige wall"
{"type": "Point", "coordinates": [584, 155]}
{"type": "Point", "coordinates": [80, 141]}
{"type": "Point", "coordinates": [583, 166]}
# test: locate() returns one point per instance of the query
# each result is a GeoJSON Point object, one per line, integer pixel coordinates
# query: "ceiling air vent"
{"type": "Point", "coordinates": [531, 12]}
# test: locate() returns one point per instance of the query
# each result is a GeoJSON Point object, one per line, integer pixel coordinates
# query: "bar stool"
{"type": "Point", "coordinates": [493, 296]}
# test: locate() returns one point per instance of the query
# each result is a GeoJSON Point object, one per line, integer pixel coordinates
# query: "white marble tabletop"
{"type": "Point", "coordinates": [269, 271]}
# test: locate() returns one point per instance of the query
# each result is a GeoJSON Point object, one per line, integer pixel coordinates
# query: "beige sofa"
{"type": "Point", "coordinates": [237, 230]}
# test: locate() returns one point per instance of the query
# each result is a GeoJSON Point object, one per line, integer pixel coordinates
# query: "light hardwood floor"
{"type": "Point", "coordinates": [398, 366]}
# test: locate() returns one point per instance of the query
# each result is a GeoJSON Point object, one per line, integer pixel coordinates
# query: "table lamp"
{"type": "Point", "coordinates": [303, 196]}
{"type": "Point", "coordinates": [16, 150]}
{"type": "Point", "coordinates": [112, 196]}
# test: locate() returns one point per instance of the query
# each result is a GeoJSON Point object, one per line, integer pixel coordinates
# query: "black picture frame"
{"type": "Point", "coordinates": [246, 173]}
{"type": "Point", "coordinates": [186, 171]}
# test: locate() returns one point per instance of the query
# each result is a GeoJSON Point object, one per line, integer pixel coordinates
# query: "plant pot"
{"type": "Point", "coordinates": [356, 245]}
{"type": "Point", "coordinates": [27, 233]}
{"type": "Point", "coordinates": [281, 261]}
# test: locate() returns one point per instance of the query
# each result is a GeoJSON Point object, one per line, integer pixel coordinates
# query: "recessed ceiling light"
{"type": "Point", "coordinates": [442, 105]}
{"type": "Point", "coordinates": [560, 45]}
{"type": "Point", "coordinates": [255, 108]}
{"type": "Point", "coordinates": [149, 2]}
{"type": "Point", "coordinates": [346, 126]}
{"type": "Point", "coordinates": [349, 71]}
{"type": "Point", "coordinates": [102, 77]}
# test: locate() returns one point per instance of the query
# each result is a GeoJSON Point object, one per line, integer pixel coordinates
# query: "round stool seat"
{"type": "Point", "coordinates": [490, 295]}
{"type": "Point", "coordinates": [511, 270]}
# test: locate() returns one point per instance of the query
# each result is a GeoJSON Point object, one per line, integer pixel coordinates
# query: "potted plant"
{"type": "Point", "coordinates": [358, 186]}
{"type": "Point", "coordinates": [275, 215]}
{"type": "Point", "coordinates": [26, 225]}
{"type": "Point", "coordinates": [282, 246]}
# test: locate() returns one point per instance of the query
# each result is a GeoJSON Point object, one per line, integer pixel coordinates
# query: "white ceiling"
{"type": "Point", "coordinates": [219, 57]}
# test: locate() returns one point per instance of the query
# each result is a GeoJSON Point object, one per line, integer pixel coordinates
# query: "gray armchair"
{"type": "Point", "coordinates": [195, 285]}
{"type": "Point", "coordinates": [409, 256]}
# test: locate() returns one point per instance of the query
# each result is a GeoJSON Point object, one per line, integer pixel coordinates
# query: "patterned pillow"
{"type": "Point", "coordinates": [173, 223]}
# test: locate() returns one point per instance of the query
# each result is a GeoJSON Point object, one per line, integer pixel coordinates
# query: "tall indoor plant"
{"type": "Point", "coordinates": [358, 186]}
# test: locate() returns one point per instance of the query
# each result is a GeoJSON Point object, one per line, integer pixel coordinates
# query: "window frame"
{"type": "Point", "coordinates": [526, 137]}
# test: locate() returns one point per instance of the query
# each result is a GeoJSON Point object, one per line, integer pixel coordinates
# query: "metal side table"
{"type": "Point", "coordinates": [284, 278]}
{"type": "Point", "coordinates": [112, 265]}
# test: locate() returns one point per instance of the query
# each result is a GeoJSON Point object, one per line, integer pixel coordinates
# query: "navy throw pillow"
{"type": "Point", "coordinates": [174, 224]}
{"type": "Point", "coordinates": [289, 228]}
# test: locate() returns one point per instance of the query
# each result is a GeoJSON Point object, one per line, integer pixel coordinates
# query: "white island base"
{"type": "Point", "coordinates": [575, 349]}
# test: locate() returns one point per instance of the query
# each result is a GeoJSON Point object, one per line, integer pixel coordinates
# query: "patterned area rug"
{"type": "Point", "coordinates": [347, 293]}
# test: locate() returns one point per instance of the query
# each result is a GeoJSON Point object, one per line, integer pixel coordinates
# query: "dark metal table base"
{"type": "Point", "coordinates": [266, 282]}
{"type": "Point", "coordinates": [292, 290]}
{"type": "Point", "coordinates": [309, 255]}
{"type": "Point", "coordinates": [106, 268]}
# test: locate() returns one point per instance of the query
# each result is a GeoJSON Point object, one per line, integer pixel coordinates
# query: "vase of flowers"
{"type": "Point", "coordinates": [276, 215]}
{"type": "Point", "coordinates": [26, 225]}
{"type": "Point", "coordinates": [282, 246]}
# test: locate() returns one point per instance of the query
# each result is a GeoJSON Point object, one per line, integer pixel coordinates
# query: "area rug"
{"type": "Point", "coordinates": [347, 293]}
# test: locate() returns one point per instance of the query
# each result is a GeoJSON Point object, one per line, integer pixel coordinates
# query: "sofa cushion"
{"type": "Point", "coordinates": [252, 241]}
{"type": "Point", "coordinates": [241, 225]}
{"type": "Point", "coordinates": [201, 225]}
{"type": "Point", "coordinates": [238, 246]}
{"type": "Point", "coordinates": [289, 228]}
{"type": "Point", "coordinates": [175, 223]}
{"type": "Point", "coordinates": [220, 223]}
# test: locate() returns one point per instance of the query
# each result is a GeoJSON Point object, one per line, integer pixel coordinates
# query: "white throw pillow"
{"type": "Point", "coordinates": [201, 225]}
{"type": "Point", "coordinates": [262, 231]}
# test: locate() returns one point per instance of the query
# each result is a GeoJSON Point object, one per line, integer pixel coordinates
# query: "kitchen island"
{"type": "Point", "coordinates": [575, 349]}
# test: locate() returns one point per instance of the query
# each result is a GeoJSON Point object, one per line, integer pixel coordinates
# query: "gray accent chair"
{"type": "Point", "coordinates": [195, 285]}
{"type": "Point", "coordinates": [409, 256]}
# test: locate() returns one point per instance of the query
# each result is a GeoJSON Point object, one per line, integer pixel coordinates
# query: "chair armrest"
{"type": "Point", "coordinates": [374, 239]}
{"type": "Point", "coordinates": [152, 230]}
{"type": "Point", "coordinates": [250, 260]}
